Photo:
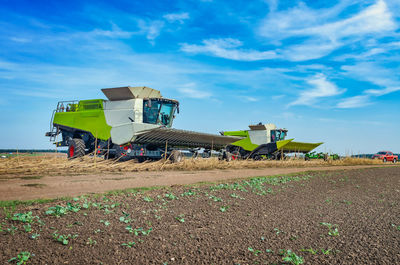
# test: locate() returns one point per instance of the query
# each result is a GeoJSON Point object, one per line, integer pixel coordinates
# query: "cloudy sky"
{"type": "Point", "coordinates": [326, 72]}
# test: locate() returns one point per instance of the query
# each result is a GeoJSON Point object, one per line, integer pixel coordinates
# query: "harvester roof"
{"type": "Point", "coordinates": [127, 92]}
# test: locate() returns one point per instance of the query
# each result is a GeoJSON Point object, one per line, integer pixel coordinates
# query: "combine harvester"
{"type": "Point", "coordinates": [136, 122]}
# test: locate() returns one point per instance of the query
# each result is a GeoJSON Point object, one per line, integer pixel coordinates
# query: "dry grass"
{"type": "Point", "coordinates": [55, 165]}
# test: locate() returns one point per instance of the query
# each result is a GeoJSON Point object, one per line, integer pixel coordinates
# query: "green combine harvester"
{"type": "Point", "coordinates": [136, 122]}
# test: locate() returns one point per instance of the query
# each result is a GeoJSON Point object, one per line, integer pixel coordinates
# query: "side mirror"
{"type": "Point", "coordinates": [177, 109]}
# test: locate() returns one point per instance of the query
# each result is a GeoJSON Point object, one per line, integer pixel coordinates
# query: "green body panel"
{"type": "Point", "coordinates": [88, 116]}
{"type": "Point", "coordinates": [297, 147]}
{"type": "Point", "coordinates": [245, 143]}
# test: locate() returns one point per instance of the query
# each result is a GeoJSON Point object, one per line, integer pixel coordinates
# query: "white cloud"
{"type": "Point", "coordinates": [115, 32]}
{"type": "Point", "coordinates": [227, 48]}
{"type": "Point", "coordinates": [330, 33]}
{"type": "Point", "coordinates": [354, 102]}
{"type": "Point", "coordinates": [384, 77]}
{"type": "Point", "coordinates": [176, 17]}
{"type": "Point", "coordinates": [322, 88]}
{"type": "Point", "coordinates": [151, 29]}
{"type": "Point", "coordinates": [190, 90]}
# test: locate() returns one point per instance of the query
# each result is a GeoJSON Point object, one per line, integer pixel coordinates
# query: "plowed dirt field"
{"type": "Point", "coordinates": [331, 217]}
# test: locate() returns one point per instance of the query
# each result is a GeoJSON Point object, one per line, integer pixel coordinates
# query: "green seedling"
{"type": "Point", "coordinates": [254, 251]}
{"type": "Point", "coordinates": [188, 193]}
{"type": "Point", "coordinates": [129, 244]}
{"type": "Point", "coordinates": [223, 208]}
{"type": "Point", "coordinates": [333, 229]}
{"type": "Point", "coordinates": [269, 250]}
{"type": "Point", "coordinates": [310, 250]}
{"type": "Point", "coordinates": [180, 218]}
{"type": "Point", "coordinates": [326, 251]}
{"type": "Point", "coordinates": [277, 231]}
{"type": "Point", "coordinates": [22, 258]}
{"type": "Point", "coordinates": [34, 236]}
{"type": "Point", "coordinates": [147, 199]}
{"type": "Point", "coordinates": [106, 223]}
{"type": "Point", "coordinates": [24, 217]}
{"type": "Point", "coordinates": [234, 195]}
{"type": "Point", "coordinates": [57, 211]}
{"type": "Point", "coordinates": [63, 238]}
{"type": "Point", "coordinates": [170, 196]}
{"type": "Point", "coordinates": [27, 228]}
{"type": "Point", "coordinates": [291, 257]}
{"type": "Point", "coordinates": [12, 230]}
{"type": "Point", "coordinates": [214, 198]}
{"type": "Point", "coordinates": [124, 219]}
{"type": "Point", "coordinates": [397, 227]}
{"type": "Point", "coordinates": [91, 242]}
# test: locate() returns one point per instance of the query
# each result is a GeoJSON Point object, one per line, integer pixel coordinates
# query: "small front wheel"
{"type": "Point", "coordinates": [384, 160]}
{"type": "Point", "coordinates": [394, 161]}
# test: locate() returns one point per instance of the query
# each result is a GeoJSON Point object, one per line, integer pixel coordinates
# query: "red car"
{"type": "Point", "coordinates": [386, 156]}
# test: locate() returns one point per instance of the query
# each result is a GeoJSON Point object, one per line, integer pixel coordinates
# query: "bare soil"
{"type": "Point", "coordinates": [28, 187]}
{"type": "Point", "coordinates": [331, 217]}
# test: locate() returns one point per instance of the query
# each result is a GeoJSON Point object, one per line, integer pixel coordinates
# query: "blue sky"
{"type": "Point", "coordinates": [325, 70]}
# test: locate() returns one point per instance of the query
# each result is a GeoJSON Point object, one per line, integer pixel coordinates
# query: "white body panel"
{"type": "Point", "coordinates": [261, 134]}
{"type": "Point", "coordinates": [118, 115]}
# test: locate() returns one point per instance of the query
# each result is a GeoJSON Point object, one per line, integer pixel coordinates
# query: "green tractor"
{"type": "Point", "coordinates": [136, 122]}
{"type": "Point", "coordinates": [321, 155]}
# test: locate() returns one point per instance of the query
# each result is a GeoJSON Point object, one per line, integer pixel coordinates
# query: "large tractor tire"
{"type": "Point", "coordinates": [76, 148]}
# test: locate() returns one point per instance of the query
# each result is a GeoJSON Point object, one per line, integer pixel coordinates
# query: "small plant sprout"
{"type": "Point", "coordinates": [12, 230]}
{"type": "Point", "coordinates": [180, 218]}
{"type": "Point", "coordinates": [24, 217]}
{"type": "Point", "coordinates": [277, 231]}
{"type": "Point", "coordinates": [254, 251]}
{"type": "Point", "coordinates": [170, 196]}
{"type": "Point", "coordinates": [22, 258]}
{"type": "Point", "coordinates": [106, 223]}
{"type": "Point", "coordinates": [291, 257]}
{"type": "Point", "coordinates": [129, 244]}
{"type": "Point", "coordinates": [35, 235]}
{"type": "Point", "coordinates": [91, 242]}
{"type": "Point", "coordinates": [223, 208]}
{"type": "Point", "coordinates": [147, 199]}
{"type": "Point", "coordinates": [397, 227]}
{"type": "Point", "coordinates": [310, 250]}
{"type": "Point", "coordinates": [326, 251]}
{"type": "Point", "coordinates": [333, 229]}
{"type": "Point", "coordinates": [63, 238]}
{"type": "Point", "coordinates": [27, 228]}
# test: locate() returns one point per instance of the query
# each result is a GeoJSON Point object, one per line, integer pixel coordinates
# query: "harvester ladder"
{"type": "Point", "coordinates": [53, 129]}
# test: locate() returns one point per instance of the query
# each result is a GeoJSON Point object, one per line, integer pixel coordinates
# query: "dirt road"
{"type": "Point", "coordinates": [28, 188]}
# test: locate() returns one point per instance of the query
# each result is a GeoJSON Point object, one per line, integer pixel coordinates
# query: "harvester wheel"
{"type": "Point", "coordinates": [228, 156]}
{"type": "Point", "coordinates": [384, 160]}
{"type": "Point", "coordinates": [394, 161]}
{"type": "Point", "coordinates": [176, 156]}
{"type": "Point", "coordinates": [76, 148]}
{"type": "Point", "coordinates": [236, 155]}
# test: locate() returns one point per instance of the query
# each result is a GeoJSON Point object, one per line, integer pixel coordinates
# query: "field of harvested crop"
{"type": "Point", "coordinates": [50, 164]}
{"type": "Point", "coordinates": [335, 217]}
